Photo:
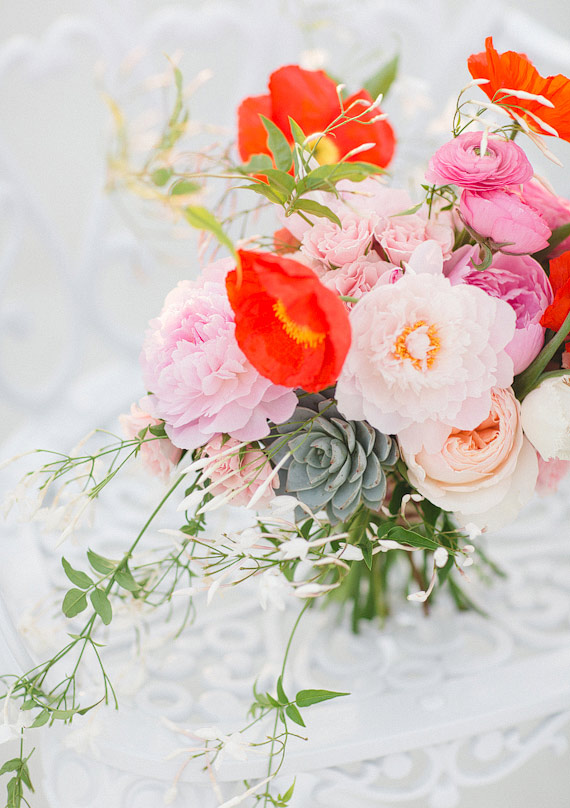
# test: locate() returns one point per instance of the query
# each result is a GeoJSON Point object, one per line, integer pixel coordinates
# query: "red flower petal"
{"type": "Point", "coordinates": [513, 71]}
{"type": "Point", "coordinates": [252, 137]}
{"type": "Point", "coordinates": [307, 96]}
{"type": "Point", "coordinates": [285, 242]}
{"type": "Point", "coordinates": [292, 329]}
{"type": "Point", "coordinates": [559, 309]}
{"type": "Point", "coordinates": [354, 133]}
{"type": "Point", "coordinates": [559, 271]}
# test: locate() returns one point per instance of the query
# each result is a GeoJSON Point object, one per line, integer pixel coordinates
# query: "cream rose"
{"type": "Point", "coordinates": [546, 418]}
{"type": "Point", "coordinates": [485, 475]}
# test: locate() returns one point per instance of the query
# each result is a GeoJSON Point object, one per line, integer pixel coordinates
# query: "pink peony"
{"type": "Point", "coordinates": [550, 474]}
{"type": "Point", "coordinates": [555, 210]}
{"type": "Point", "coordinates": [486, 474]}
{"type": "Point", "coordinates": [521, 282]}
{"type": "Point", "coordinates": [238, 474]}
{"type": "Point", "coordinates": [159, 455]}
{"type": "Point", "coordinates": [400, 235]}
{"type": "Point", "coordinates": [201, 382]}
{"type": "Point", "coordinates": [505, 219]}
{"type": "Point", "coordinates": [359, 277]}
{"type": "Point", "coordinates": [460, 162]}
{"type": "Point", "coordinates": [425, 356]}
{"type": "Point", "coordinates": [332, 246]}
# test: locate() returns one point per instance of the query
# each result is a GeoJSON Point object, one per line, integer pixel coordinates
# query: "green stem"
{"type": "Point", "coordinates": [530, 378]}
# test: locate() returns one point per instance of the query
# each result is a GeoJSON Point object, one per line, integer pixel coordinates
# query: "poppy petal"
{"type": "Point", "coordinates": [252, 137]}
{"type": "Point", "coordinates": [307, 96]}
{"type": "Point", "coordinates": [354, 133]}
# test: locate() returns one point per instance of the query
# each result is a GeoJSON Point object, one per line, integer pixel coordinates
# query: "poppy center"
{"type": "Point", "coordinates": [326, 151]}
{"type": "Point", "coordinates": [301, 334]}
{"type": "Point", "coordinates": [419, 343]}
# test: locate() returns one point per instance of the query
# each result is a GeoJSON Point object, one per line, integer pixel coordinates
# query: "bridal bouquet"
{"type": "Point", "coordinates": [376, 382]}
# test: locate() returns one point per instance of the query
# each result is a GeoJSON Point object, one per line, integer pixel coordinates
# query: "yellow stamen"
{"type": "Point", "coordinates": [326, 151]}
{"type": "Point", "coordinates": [301, 334]}
{"type": "Point", "coordinates": [401, 347]}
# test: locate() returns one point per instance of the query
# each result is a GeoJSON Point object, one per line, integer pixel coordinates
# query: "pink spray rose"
{"type": "Point", "coordinates": [521, 282]}
{"type": "Point", "coordinates": [331, 246]}
{"type": "Point", "coordinates": [485, 475]}
{"type": "Point", "coordinates": [425, 355]}
{"type": "Point", "coordinates": [159, 455]}
{"type": "Point", "coordinates": [201, 382]}
{"type": "Point", "coordinates": [238, 474]}
{"type": "Point", "coordinates": [555, 210]}
{"type": "Point", "coordinates": [504, 218]}
{"type": "Point", "coordinates": [460, 162]}
{"type": "Point", "coordinates": [398, 236]}
{"type": "Point", "coordinates": [359, 277]}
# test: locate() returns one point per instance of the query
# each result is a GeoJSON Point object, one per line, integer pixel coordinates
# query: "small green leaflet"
{"type": "Point", "coordinates": [315, 208]}
{"type": "Point", "coordinates": [381, 81]}
{"type": "Point", "coordinates": [182, 187]}
{"type": "Point", "coordinates": [294, 715]}
{"type": "Point", "coordinates": [305, 698]}
{"type": "Point", "coordinates": [102, 605]}
{"type": "Point", "coordinates": [125, 579]}
{"type": "Point", "coordinates": [269, 193]}
{"type": "Point", "coordinates": [101, 564]}
{"type": "Point", "coordinates": [161, 176]}
{"type": "Point", "coordinates": [257, 164]}
{"type": "Point", "coordinates": [202, 219]}
{"type": "Point", "coordinates": [80, 579]}
{"type": "Point", "coordinates": [277, 145]}
{"type": "Point", "coordinates": [74, 603]}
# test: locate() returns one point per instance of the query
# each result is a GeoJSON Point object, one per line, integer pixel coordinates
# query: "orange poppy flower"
{"type": "Point", "coordinates": [292, 329]}
{"type": "Point", "coordinates": [558, 310]}
{"type": "Point", "coordinates": [513, 71]}
{"type": "Point", "coordinates": [311, 99]}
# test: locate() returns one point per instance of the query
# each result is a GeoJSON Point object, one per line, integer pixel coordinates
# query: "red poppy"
{"type": "Point", "coordinates": [311, 99]}
{"type": "Point", "coordinates": [558, 310]}
{"type": "Point", "coordinates": [513, 71]}
{"type": "Point", "coordinates": [292, 329]}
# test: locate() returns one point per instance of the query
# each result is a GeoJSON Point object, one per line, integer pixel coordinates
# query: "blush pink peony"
{"type": "Point", "coordinates": [159, 455]}
{"type": "Point", "coordinates": [425, 356]}
{"type": "Point", "coordinates": [460, 162]}
{"type": "Point", "coordinates": [201, 382]}
{"type": "Point", "coordinates": [486, 474]}
{"type": "Point", "coordinates": [502, 216]}
{"type": "Point", "coordinates": [555, 210]}
{"type": "Point", "coordinates": [521, 282]}
{"type": "Point", "coordinates": [238, 475]}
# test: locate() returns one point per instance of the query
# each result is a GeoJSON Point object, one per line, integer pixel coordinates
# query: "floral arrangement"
{"type": "Point", "coordinates": [375, 385]}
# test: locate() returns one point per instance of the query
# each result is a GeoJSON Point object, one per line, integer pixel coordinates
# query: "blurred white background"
{"type": "Point", "coordinates": [82, 272]}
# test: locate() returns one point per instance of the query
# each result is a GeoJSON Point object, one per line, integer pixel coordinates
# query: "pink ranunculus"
{"type": "Point", "coordinates": [332, 246]}
{"type": "Point", "coordinates": [555, 210]}
{"type": "Point", "coordinates": [241, 472]}
{"type": "Point", "coordinates": [159, 455]}
{"type": "Point", "coordinates": [505, 219]}
{"type": "Point", "coordinates": [425, 355]}
{"type": "Point", "coordinates": [550, 474]}
{"type": "Point", "coordinates": [200, 380]}
{"type": "Point", "coordinates": [521, 282]}
{"type": "Point", "coordinates": [359, 277]}
{"type": "Point", "coordinates": [460, 162]}
{"type": "Point", "coordinates": [486, 474]}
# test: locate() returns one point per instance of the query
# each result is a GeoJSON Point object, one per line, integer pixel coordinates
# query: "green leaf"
{"type": "Point", "coordinates": [366, 547]}
{"type": "Point", "coordinates": [315, 208]}
{"type": "Point", "coordinates": [41, 719]}
{"type": "Point", "coordinates": [294, 715]}
{"type": "Point", "coordinates": [25, 776]}
{"type": "Point", "coordinates": [125, 579]}
{"type": "Point", "coordinates": [80, 579]}
{"type": "Point", "coordinates": [11, 766]}
{"type": "Point", "coordinates": [161, 176]}
{"type": "Point", "coordinates": [289, 793]}
{"type": "Point", "coordinates": [298, 135]}
{"type": "Point", "coordinates": [157, 430]}
{"type": "Point", "coordinates": [74, 603]}
{"type": "Point", "coordinates": [557, 237]}
{"type": "Point", "coordinates": [408, 211]}
{"type": "Point", "coordinates": [102, 605]}
{"type": "Point", "coordinates": [277, 145]}
{"type": "Point", "coordinates": [14, 793]}
{"type": "Point", "coordinates": [182, 187]}
{"type": "Point", "coordinates": [486, 260]}
{"type": "Point", "coordinates": [257, 164]}
{"type": "Point", "coordinates": [411, 537]}
{"type": "Point", "coordinates": [63, 715]}
{"type": "Point", "coordinates": [280, 692]}
{"type": "Point", "coordinates": [381, 81]}
{"type": "Point", "coordinates": [305, 698]}
{"type": "Point", "coordinates": [280, 181]}
{"type": "Point", "coordinates": [327, 176]}
{"type": "Point", "coordinates": [273, 702]}
{"type": "Point", "coordinates": [202, 219]}
{"type": "Point", "coordinates": [101, 564]}
{"type": "Point", "coordinates": [269, 193]}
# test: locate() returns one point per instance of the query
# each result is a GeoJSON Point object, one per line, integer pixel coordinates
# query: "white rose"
{"type": "Point", "coordinates": [546, 417]}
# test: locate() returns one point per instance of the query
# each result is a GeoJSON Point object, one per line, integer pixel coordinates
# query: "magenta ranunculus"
{"type": "Point", "coordinates": [460, 162]}
{"type": "Point", "coordinates": [200, 380]}
{"type": "Point", "coordinates": [505, 219]}
{"type": "Point", "coordinates": [555, 210]}
{"type": "Point", "coordinates": [521, 282]}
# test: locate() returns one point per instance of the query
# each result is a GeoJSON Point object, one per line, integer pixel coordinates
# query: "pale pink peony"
{"type": "Point", "coordinates": [359, 277]}
{"type": "Point", "coordinates": [485, 475]}
{"type": "Point", "coordinates": [555, 210]}
{"type": "Point", "coordinates": [460, 162]}
{"type": "Point", "coordinates": [159, 454]}
{"type": "Point", "coordinates": [241, 472]}
{"type": "Point", "coordinates": [550, 474]}
{"type": "Point", "coordinates": [425, 356]}
{"type": "Point", "coordinates": [202, 384]}
{"type": "Point", "coordinates": [521, 282]}
{"type": "Point", "coordinates": [501, 216]}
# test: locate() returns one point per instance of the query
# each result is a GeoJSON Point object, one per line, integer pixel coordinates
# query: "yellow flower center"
{"type": "Point", "coordinates": [326, 151]}
{"type": "Point", "coordinates": [419, 343]}
{"type": "Point", "coordinates": [301, 334]}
